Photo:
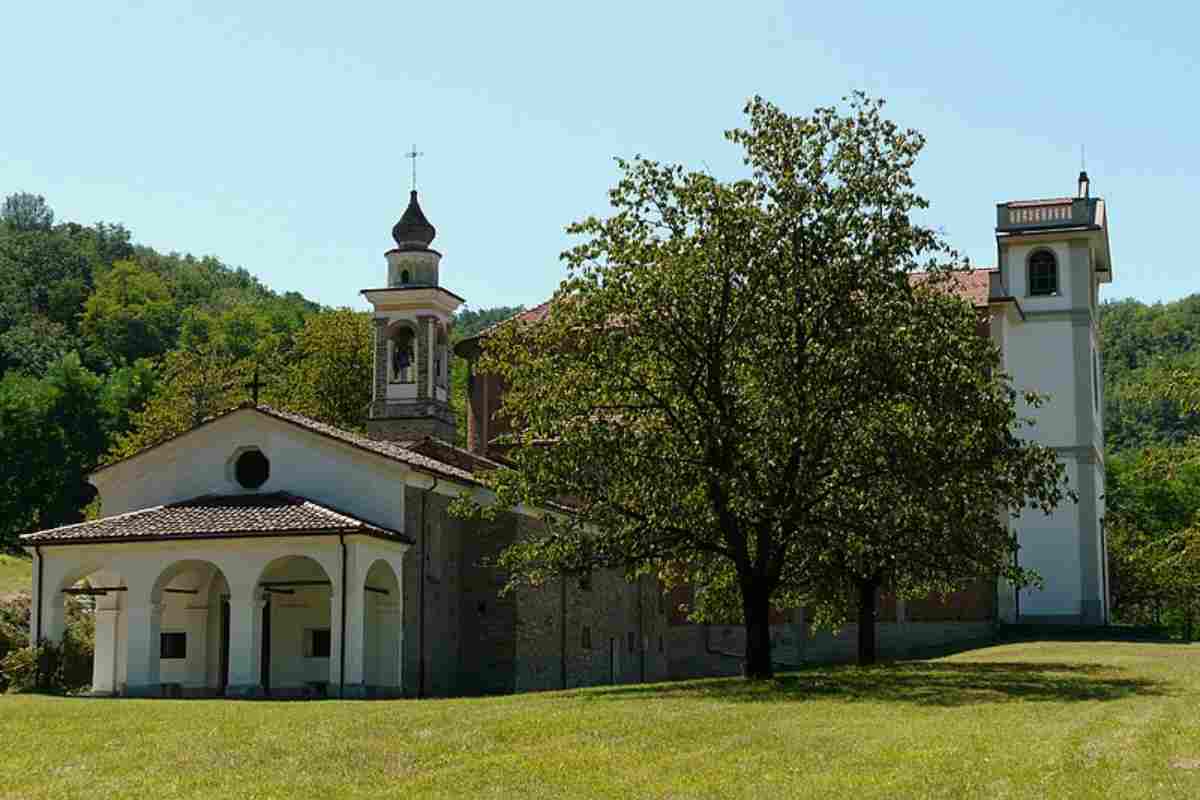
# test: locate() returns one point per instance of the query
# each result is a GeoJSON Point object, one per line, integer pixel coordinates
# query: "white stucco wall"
{"type": "Point", "coordinates": [128, 628]}
{"type": "Point", "coordinates": [1051, 350]}
{"type": "Point", "coordinates": [1050, 545]}
{"type": "Point", "coordinates": [302, 462]}
{"type": "Point", "coordinates": [1041, 358]}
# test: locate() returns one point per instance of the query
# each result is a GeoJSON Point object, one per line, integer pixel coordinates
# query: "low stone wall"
{"type": "Point", "coordinates": [696, 651]}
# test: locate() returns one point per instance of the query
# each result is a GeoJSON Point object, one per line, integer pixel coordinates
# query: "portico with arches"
{"type": "Point", "coordinates": [246, 588]}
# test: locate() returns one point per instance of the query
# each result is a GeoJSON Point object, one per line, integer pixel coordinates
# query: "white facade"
{"type": "Point", "coordinates": [1050, 345]}
{"type": "Point", "coordinates": [344, 588]}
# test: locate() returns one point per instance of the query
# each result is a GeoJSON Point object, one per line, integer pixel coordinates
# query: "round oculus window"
{"type": "Point", "coordinates": [252, 469]}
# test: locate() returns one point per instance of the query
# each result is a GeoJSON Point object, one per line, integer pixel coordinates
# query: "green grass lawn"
{"type": "Point", "coordinates": [1052, 720]}
{"type": "Point", "coordinates": [16, 573]}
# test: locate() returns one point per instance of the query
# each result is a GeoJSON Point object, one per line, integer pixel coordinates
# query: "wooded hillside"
{"type": "Point", "coordinates": [107, 346]}
{"type": "Point", "coordinates": [1139, 343]}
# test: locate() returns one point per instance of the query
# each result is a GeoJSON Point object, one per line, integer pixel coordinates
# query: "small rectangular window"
{"type": "Point", "coordinates": [172, 645]}
{"type": "Point", "coordinates": [587, 638]}
{"type": "Point", "coordinates": [660, 643]}
{"type": "Point", "coordinates": [317, 643]}
{"type": "Point", "coordinates": [632, 641]}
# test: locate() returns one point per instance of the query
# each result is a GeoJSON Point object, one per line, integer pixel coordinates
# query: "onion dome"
{"type": "Point", "coordinates": [413, 231]}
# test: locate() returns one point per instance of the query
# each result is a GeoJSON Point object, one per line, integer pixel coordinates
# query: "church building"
{"type": "Point", "coordinates": [263, 553]}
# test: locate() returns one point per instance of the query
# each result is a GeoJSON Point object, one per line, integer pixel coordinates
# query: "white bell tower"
{"type": "Point", "coordinates": [1053, 258]}
{"type": "Point", "coordinates": [413, 315]}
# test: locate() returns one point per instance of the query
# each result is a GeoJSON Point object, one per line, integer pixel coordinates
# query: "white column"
{"type": "Point", "coordinates": [144, 623]}
{"type": "Point", "coordinates": [196, 626]}
{"type": "Point", "coordinates": [355, 613]}
{"type": "Point", "coordinates": [901, 611]}
{"type": "Point", "coordinates": [49, 604]}
{"type": "Point", "coordinates": [104, 659]}
{"type": "Point", "coordinates": [245, 640]}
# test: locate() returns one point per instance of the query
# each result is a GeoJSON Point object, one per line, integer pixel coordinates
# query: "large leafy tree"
{"type": "Point", "coordinates": [943, 458]}
{"type": "Point", "coordinates": [713, 394]}
{"type": "Point", "coordinates": [50, 435]}
{"type": "Point", "coordinates": [1153, 529]}
{"type": "Point", "coordinates": [131, 313]}
{"type": "Point", "coordinates": [332, 366]}
{"type": "Point", "coordinates": [26, 212]}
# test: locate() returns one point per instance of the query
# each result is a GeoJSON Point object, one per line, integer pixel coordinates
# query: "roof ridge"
{"type": "Point", "coordinates": [361, 441]}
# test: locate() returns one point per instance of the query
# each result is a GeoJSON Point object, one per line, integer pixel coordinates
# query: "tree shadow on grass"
{"type": "Point", "coordinates": [920, 683]}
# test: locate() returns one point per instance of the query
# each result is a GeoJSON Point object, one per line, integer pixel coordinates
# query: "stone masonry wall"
{"type": "Point", "coordinates": [574, 632]}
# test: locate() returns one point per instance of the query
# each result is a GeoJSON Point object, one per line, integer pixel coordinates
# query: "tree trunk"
{"type": "Point", "coordinates": [757, 610]}
{"type": "Point", "coordinates": [868, 590]}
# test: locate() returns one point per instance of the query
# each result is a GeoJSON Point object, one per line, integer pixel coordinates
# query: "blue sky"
{"type": "Point", "coordinates": [272, 134]}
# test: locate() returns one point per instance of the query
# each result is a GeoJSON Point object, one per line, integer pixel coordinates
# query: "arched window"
{"type": "Point", "coordinates": [1043, 273]}
{"type": "Point", "coordinates": [404, 278]}
{"type": "Point", "coordinates": [402, 366]}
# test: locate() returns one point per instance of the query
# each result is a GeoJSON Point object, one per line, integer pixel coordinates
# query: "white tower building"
{"type": "Point", "coordinates": [1053, 257]}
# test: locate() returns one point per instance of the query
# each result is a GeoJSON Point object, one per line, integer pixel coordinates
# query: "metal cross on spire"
{"type": "Point", "coordinates": [414, 155]}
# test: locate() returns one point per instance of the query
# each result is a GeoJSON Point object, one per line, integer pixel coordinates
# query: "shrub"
{"type": "Point", "coordinates": [65, 666]}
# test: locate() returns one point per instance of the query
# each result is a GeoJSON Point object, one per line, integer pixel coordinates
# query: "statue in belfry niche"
{"type": "Point", "coordinates": [402, 357]}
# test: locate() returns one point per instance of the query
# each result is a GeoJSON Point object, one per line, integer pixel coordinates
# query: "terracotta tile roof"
{"type": "Point", "coordinates": [446, 453]}
{"type": "Point", "coordinates": [395, 451]}
{"type": "Point", "coordinates": [535, 314]}
{"type": "Point", "coordinates": [972, 286]}
{"type": "Point", "coordinates": [217, 517]}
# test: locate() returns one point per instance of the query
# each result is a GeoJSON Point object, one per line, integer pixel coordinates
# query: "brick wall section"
{"type": "Point", "coordinates": [975, 603]}
{"type": "Point", "coordinates": [483, 403]}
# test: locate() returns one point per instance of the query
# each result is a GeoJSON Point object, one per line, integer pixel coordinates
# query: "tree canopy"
{"type": "Point", "coordinates": [731, 371]}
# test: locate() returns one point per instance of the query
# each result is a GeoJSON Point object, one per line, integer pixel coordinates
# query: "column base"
{"type": "Point", "coordinates": [360, 691]}
{"type": "Point", "coordinates": [152, 690]}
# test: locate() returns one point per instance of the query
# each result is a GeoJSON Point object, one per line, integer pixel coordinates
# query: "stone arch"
{"type": "Point", "coordinates": [296, 632]}
{"type": "Point", "coordinates": [86, 593]}
{"type": "Point", "coordinates": [383, 623]}
{"type": "Point", "coordinates": [187, 644]}
{"type": "Point", "coordinates": [402, 352]}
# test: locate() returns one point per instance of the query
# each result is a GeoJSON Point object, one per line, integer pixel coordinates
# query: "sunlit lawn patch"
{"type": "Point", "coordinates": [1091, 719]}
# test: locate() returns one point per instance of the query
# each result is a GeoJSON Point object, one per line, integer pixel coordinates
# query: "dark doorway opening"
{"type": "Point", "coordinates": [223, 666]}
{"type": "Point", "coordinates": [264, 676]}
